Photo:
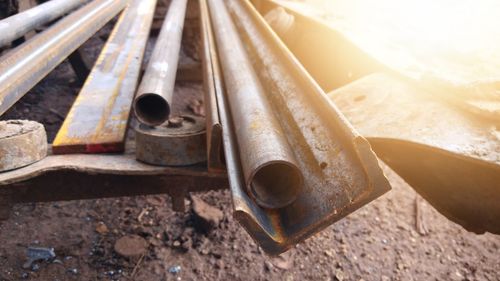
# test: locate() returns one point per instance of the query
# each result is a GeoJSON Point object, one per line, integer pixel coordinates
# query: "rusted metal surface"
{"type": "Point", "coordinates": [101, 176]}
{"type": "Point", "coordinates": [271, 171]}
{"type": "Point", "coordinates": [19, 24]}
{"type": "Point", "coordinates": [341, 173]}
{"type": "Point", "coordinates": [26, 65]}
{"type": "Point", "coordinates": [176, 143]}
{"type": "Point", "coordinates": [212, 81]}
{"type": "Point", "coordinates": [154, 96]}
{"type": "Point", "coordinates": [97, 121]}
{"type": "Point", "coordinates": [451, 157]}
{"type": "Point", "coordinates": [22, 142]}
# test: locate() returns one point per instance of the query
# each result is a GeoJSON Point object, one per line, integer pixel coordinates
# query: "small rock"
{"type": "Point", "coordinates": [282, 261]}
{"type": "Point", "coordinates": [329, 253]}
{"type": "Point", "coordinates": [131, 246]}
{"type": "Point", "coordinates": [268, 266]}
{"type": "Point", "coordinates": [38, 254]}
{"type": "Point", "coordinates": [73, 271]}
{"type": "Point", "coordinates": [339, 274]}
{"type": "Point", "coordinates": [206, 217]}
{"type": "Point", "coordinates": [101, 228]}
{"type": "Point", "coordinates": [175, 269]}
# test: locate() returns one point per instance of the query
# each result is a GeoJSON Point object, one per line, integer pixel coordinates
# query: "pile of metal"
{"type": "Point", "coordinates": [295, 164]}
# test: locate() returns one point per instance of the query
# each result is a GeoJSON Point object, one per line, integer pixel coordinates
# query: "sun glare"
{"type": "Point", "coordinates": [455, 40]}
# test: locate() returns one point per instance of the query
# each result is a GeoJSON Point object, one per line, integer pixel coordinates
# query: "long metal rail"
{"type": "Point", "coordinates": [97, 121]}
{"type": "Point", "coordinates": [26, 65]}
{"type": "Point", "coordinates": [271, 171]}
{"type": "Point", "coordinates": [17, 25]}
{"type": "Point", "coordinates": [154, 96]}
{"type": "Point", "coordinates": [341, 173]}
{"type": "Point", "coordinates": [439, 139]}
{"type": "Point", "coordinates": [213, 85]}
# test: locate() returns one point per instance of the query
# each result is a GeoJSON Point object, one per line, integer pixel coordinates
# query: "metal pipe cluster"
{"type": "Point", "coordinates": [23, 67]}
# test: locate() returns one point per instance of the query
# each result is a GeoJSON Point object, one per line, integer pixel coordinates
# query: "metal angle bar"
{"type": "Point", "coordinates": [341, 173]}
{"type": "Point", "coordinates": [97, 121]}
{"type": "Point", "coordinates": [18, 25]}
{"type": "Point", "coordinates": [26, 65]}
{"type": "Point", "coordinates": [212, 81]}
{"type": "Point", "coordinates": [154, 96]}
{"type": "Point", "coordinates": [456, 170]}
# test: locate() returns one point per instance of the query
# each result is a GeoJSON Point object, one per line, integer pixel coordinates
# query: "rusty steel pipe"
{"type": "Point", "coordinates": [272, 176]}
{"type": "Point", "coordinates": [26, 65]}
{"type": "Point", "coordinates": [154, 96]}
{"type": "Point", "coordinates": [17, 25]}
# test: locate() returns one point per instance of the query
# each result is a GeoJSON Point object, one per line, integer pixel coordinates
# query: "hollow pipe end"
{"type": "Point", "coordinates": [151, 109]}
{"type": "Point", "coordinates": [276, 184]}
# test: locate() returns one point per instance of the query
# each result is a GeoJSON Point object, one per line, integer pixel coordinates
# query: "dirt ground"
{"type": "Point", "coordinates": [381, 241]}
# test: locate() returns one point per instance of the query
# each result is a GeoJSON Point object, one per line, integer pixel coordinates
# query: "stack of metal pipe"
{"type": "Point", "coordinates": [23, 67]}
{"type": "Point", "coordinates": [294, 163]}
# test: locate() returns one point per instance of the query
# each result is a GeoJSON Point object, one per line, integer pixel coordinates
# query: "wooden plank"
{"type": "Point", "coordinates": [98, 120]}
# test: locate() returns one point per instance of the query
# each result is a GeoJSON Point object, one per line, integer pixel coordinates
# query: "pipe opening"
{"type": "Point", "coordinates": [152, 109]}
{"type": "Point", "coordinates": [276, 185]}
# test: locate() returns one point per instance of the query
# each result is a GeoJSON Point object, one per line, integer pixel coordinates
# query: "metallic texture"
{"type": "Point", "coordinates": [341, 173]}
{"type": "Point", "coordinates": [178, 144]}
{"type": "Point", "coordinates": [272, 176]}
{"type": "Point", "coordinates": [26, 65]}
{"type": "Point", "coordinates": [97, 121]}
{"type": "Point", "coordinates": [450, 157]}
{"type": "Point", "coordinates": [154, 96]}
{"type": "Point", "coordinates": [212, 81]}
{"type": "Point", "coordinates": [434, 136]}
{"type": "Point", "coordinates": [22, 143]}
{"type": "Point", "coordinates": [18, 25]}
{"type": "Point", "coordinates": [91, 176]}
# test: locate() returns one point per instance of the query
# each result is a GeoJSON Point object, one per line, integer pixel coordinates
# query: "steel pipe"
{"type": "Point", "coordinates": [26, 65]}
{"type": "Point", "coordinates": [154, 96]}
{"type": "Point", "coordinates": [18, 25]}
{"type": "Point", "coordinates": [271, 174]}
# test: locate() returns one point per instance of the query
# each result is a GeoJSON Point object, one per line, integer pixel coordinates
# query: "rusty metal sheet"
{"type": "Point", "coordinates": [23, 67]}
{"type": "Point", "coordinates": [90, 176]}
{"type": "Point", "coordinates": [341, 173]}
{"type": "Point", "coordinates": [449, 156]}
{"type": "Point", "coordinates": [97, 121]}
{"type": "Point", "coordinates": [212, 82]}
